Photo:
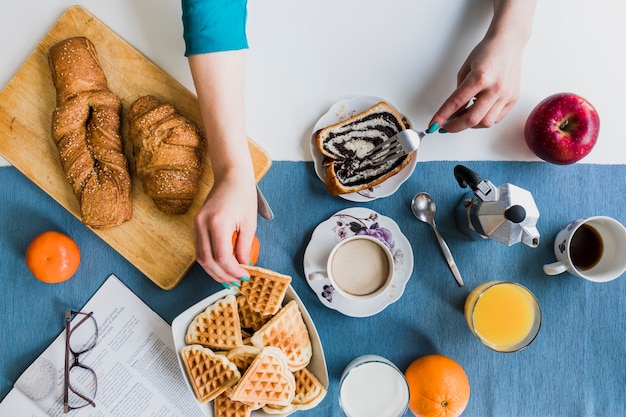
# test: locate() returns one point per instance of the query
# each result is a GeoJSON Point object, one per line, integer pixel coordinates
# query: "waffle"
{"type": "Point", "coordinates": [266, 289]}
{"type": "Point", "coordinates": [267, 380]}
{"type": "Point", "coordinates": [287, 331]}
{"type": "Point", "coordinates": [223, 406]}
{"type": "Point", "coordinates": [269, 370]}
{"type": "Point", "coordinates": [309, 393]}
{"type": "Point", "coordinates": [217, 327]}
{"type": "Point", "coordinates": [242, 356]}
{"type": "Point", "coordinates": [279, 409]}
{"type": "Point", "coordinates": [251, 405]}
{"type": "Point", "coordinates": [309, 390]}
{"type": "Point", "coordinates": [249, 318]}
{"type": "Point", "coordinates": [209, 374]}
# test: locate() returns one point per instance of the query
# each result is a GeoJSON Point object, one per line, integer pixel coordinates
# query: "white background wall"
{"type": "Point", "coordinates": [305, 55]}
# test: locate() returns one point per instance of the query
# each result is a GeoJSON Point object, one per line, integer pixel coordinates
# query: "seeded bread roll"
{"type": "Point", "coordinates": [346, 145]}
{"type": "Point", "coordinates": [168, 149]}
{"type": "Point", "coordinates": [86, 131]}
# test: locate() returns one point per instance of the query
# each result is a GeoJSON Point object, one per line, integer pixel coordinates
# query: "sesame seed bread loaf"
{"type": "Point", "coordinates": [168, 149]}
{"type": "Point", "coordinates": [346, 145]}
{"type": "Point", "coordinates": [86, 131]}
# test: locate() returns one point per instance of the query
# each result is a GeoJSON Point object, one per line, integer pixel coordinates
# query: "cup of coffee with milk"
{"type": "Point", "coordinates": [360, 267]}
{"type": "Point", "coordinates": [593, 248]}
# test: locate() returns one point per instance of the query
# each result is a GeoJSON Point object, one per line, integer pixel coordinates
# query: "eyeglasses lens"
{"type": "Point", "coordinates": [82, 387]}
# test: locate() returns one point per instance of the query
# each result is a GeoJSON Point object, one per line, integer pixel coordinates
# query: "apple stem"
{"type": "Point", "coordinates": [563, 124]}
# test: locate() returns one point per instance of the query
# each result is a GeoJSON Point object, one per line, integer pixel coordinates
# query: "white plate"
{"type": "Point", "coordinates": [347, 223]}
{"type": "Point", "coordinates": [338, 112]}
{"type": "Point", "coordinates": [181, 323]}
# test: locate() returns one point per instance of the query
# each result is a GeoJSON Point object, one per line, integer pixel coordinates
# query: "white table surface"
{"type": "Point", "coordinates": [306, 55]}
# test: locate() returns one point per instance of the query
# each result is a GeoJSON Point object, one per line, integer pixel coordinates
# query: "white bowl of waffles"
{"type": "Point", "coordinates": [252, 352]}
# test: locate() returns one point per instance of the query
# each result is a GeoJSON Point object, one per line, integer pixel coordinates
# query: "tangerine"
{"type": "Point", "coordinates": [52, 257]}
{"type": "Point", "coordinates": [438, 387]}
{"type": "Point", "coordinates": [254, 249]}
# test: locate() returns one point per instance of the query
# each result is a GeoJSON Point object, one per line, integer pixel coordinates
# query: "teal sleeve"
{"type": "Point", "coordinates": [214, 25]}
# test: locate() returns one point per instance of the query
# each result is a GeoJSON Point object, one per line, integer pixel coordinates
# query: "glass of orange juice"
{"type": "Point", "coordinates": [504, 316]}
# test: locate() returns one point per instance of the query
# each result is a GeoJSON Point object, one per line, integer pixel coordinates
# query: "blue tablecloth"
{"type": "Point", "coordinates": [576, 366]}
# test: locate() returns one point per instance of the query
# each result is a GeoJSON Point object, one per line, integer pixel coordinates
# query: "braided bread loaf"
{"type": "Point", "coordinates": [86, 131]}
{"type": "Point", "coordinates": [168, 149]}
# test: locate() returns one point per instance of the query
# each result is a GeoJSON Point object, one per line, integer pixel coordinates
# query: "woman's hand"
{"type": "Point", "coordinates": [492, 72]}
{"type": "Point", "coordinates": [230, 207]}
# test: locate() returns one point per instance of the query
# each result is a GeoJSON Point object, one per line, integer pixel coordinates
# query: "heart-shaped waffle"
{"type": "Point", "coordinates": [217, 327]}
{"type": "Point", "coordinates": [248, 317]}
{"type": "Point", "coordinates": [267, 380]}
{"type": "Point", "coordinates": [309, 390]}
{"type": "Point", "coordinates": [223, 406]}
{"type": "Point", "coordinates": [210, 374]}
{"type": "Point", "coordinates": [266, 289]}
{"type": "Point", "coordinates": [287, 331]}
{"type": "Point", "coordinates": [243, 356]}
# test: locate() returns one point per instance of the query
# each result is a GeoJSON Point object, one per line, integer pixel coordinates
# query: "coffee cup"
{"type": "Point", "coordinates": [359, 267]}
{"type": "Point", "coordinates": [593, 248]}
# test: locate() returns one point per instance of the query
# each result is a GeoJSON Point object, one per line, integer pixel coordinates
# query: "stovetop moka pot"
{"type": "Point", "coordinates": [507, 214]}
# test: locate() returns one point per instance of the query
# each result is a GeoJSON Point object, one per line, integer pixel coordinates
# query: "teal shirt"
{"type": "Point", "coordinates": [214, 25]}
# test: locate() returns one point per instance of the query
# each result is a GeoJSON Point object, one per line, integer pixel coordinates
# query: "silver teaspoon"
{"type": "Point", "coordinates": [424, 208]}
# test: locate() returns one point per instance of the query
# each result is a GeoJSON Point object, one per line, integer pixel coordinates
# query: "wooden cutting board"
{"type": "Point", "coordinates": [159, 245]}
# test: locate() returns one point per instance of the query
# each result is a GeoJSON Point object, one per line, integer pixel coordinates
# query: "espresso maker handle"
{"type": "Point", "coordinates": [465, 176]}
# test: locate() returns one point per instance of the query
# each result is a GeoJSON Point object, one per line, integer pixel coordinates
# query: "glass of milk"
{"type": "Point", "coordinates": [373, 386]}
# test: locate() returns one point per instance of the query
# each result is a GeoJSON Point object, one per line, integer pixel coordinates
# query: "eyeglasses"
{"type": "Point", "coordinates": [80, 383]}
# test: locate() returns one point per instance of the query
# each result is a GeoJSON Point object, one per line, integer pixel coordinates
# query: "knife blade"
{"type": "Point", "coordinates": [263, 206]}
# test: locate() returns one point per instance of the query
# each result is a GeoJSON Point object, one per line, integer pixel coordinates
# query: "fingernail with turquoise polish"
{"type": "Point", "coordinates": [245, 278]}
{"type": "Point", "coordinates": [432, 127]}
{"type": "Point", "coordinates": [225, 285]}
{"type": "Point", "coordinates": [443, 131]}
{"type": "Point", "coordinates": [235, 284]}
{"type": "Point", "coordinates": [251, 264]}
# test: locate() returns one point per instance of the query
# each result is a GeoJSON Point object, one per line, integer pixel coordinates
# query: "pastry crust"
{"type": "Point", "coordinates": [86, 131]}
{"type": "Point", "coordinates": [346, 145]}
{"type": "Point", "coordinates": [169, 150]}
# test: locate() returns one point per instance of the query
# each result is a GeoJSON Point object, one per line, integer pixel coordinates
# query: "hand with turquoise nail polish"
{"type": "Point", "coordinates": [231, 205]}
{"type": "Point", "coordinates": [432, 128]}
{"type": "Point", "coordinates": [492, 72]}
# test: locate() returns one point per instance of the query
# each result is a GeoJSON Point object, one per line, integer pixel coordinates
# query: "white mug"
{"type": "Point", "coordinates": [593, 248]}
{"type": "Point", "coordinates": [359, 267]}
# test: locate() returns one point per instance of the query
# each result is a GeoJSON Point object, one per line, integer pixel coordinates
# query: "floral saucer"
{"type": "Point", "coordinates": [338, 112]}
{"type": "Point", "coordinates": [350, 222]}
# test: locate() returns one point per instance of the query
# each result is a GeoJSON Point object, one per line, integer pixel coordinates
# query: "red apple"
{"type": "Point", "coordinates": [562, 129]}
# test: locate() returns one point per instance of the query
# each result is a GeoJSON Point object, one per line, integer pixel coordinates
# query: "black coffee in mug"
{"type": "Point", "coordinates": [586, 247]}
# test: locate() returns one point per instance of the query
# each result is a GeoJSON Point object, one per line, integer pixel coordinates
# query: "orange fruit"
{"type": "Point", "coordinates": [52, 257]}
{"type": "Point", "coordinates": [254, 249]}
{"type": "Point", "coordinates": [438, 386]}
